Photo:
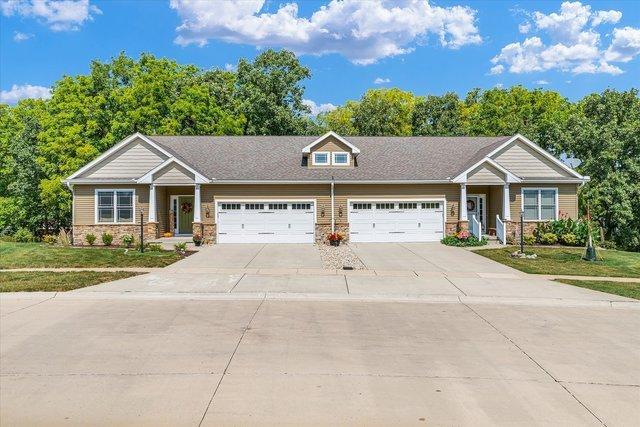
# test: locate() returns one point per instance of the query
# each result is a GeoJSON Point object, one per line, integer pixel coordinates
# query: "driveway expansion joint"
{"type": "Point", "coordinates": [536, 363]}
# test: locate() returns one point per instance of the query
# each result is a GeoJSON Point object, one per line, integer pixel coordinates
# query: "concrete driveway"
{"type": "Point", "coordinates": [428, 257]}
{"type": "Point", "coordinates": [80, 359]}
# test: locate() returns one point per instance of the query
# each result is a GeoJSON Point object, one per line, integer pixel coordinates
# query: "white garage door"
{"type": "Point", "coordinates": [265, 222]}
{"type": "Point", "coordinates": [396, 221]}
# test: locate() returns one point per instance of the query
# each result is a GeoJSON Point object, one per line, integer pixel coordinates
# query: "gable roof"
{"type": "Point", "coordinates": [279, 158]}
{"type": "Point", "coordinates": [509, 176]}
{"type": "Point", "coordinates": [148, 177]}
{"type": "Point", "coordinates": [354, 149]}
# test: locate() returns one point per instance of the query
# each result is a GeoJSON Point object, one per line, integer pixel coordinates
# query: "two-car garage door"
{"type": "Point", "coordinates": [266, 222]}
{"type": "Point", "coordinates": [396, 221]}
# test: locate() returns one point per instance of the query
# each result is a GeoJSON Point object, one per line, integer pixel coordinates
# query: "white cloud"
{"type": "Point", "coordinates": [541, 82]}
{"type": "Point", "coordinates": [524, 28]}
{"type": "Point", "coordinates": [499, 85]}
{"type": "Point", "coordinates": [380, 81]}
{"type": "Point", "coordinates": [20, 37]}
{"type": "Point", "coordinates": [17, 93]}
{"type": "Point", "coordinates": [606, 17]}
{"type": "Point", "coordinates": [229, 67]}
{"type": "Point", "coordinates": [318, 108]}
{"type": "Point", "coordinates": [63, 15]}
{"type": "Point", "coordinates": [496, 69]}
{"type": "Point", "coordinates": [568, 41]}
{"type": "Point", "coordinates": [363, 32]}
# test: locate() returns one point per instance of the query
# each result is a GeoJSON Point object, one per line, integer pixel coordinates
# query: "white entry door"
{"type": "Point", "coordinates": [396, 221]}
{"type": "Point", "coordinates": [476, 206]}
{"type": "Point", "coordinates": [265, 222]}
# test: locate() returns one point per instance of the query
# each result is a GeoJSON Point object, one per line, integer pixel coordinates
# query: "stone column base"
{"type": "Point", "coordinates": [152, 230]}
{"type": "Point", "coordinates": [463, 225]}
{"type": "Point", "coordinates": [209, 233]}
{"type": "Point", "coordinates": [197, 229]}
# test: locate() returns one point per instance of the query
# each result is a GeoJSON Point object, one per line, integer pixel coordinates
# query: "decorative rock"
{"type": "Point", "coordinates": [518, 254]}
{"type": "Point", "coordinates": [338, 257]}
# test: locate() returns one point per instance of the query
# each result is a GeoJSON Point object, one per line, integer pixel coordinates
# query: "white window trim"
{"type": "Point", "coordinates": [333, 158]}
{"type": "Point", "coordinates": [556, 213]}
{"type": "Point", "coordinates": [115, 205]}
{"type": "Point", "coordinates": [313, 158]}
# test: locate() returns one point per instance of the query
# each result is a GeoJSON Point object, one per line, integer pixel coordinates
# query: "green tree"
{"type": "Point", "coordinates": [438, 115]}
{"type": "Point", "coordinates": [605, 137]}
{"type": "Point", "coordinates": [270, 93]}
{"type": "Point", "coordinates": [340, 120]}
{"type": "Point", "coordinates": [384, 112]}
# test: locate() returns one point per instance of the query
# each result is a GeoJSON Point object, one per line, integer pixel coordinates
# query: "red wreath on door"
{"type": "Point", "coordinates": [471, 205]}
{"type": "Point", "coordinates": [186, 207]}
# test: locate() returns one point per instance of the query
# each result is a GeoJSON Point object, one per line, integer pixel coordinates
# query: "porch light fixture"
{"type": "Point", "coordinates": [322, 212]}
{"type": "Point", "coordinates": [340, 211]}
{"type": "Point", "coordinates": [207, 212]}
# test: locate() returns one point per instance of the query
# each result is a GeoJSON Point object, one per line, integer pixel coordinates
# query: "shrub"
{"type": "Point", "coordinates": [548, 239]}
{"type": "Point", "coordinates": [107, 239]}
{"type": "Point", "coordinates": [569, 239]}
{"type": "Point", "coordinates": [23, 236]}
{"type": "Point", "coordinates": [529, 239]}
{"type": "Point", "coordinates": [90, 238]}
{"type": "Point", "coordinates": [154, 247]}
{"type": "Point", "coordinates": [64, 238]}
{"type": "Point", "coordinates": [608, 244]}
{"type": "Point", "coordinates": [469, 241]}
{"type": "Point", "coordinates": [128, 240]}
{"type": "Point", "coordinates": [180, 247]}
{"type": "Point", "coordinates": [49, 239]}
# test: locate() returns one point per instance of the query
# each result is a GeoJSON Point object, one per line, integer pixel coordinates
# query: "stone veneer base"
{"type": "Point", "coordinates": [116, 230]}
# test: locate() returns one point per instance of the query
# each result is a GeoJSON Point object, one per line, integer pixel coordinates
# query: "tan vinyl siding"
{"type": "Point", "coordinates": [173, 174]}
{"type": "Point", "coordinates": [525, 162]}
{"type": "Point", "coordinates": [331, 145]}
{"type": "Point", "coordinates": [485, 174]}
{"type": "Point", "coordinates": [132, 161]}
{"type": "Point", "coordinates": [84, 203]}
{"type": "Point", "coordinates": [567, 198]}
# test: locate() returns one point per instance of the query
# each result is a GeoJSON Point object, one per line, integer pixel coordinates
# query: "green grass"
{"type": "Point", "coordinates": [624, 289]}
{"type": "Point", "coordinates": [32, 281]}
{"type": "Point", "coordinates": [35, 255]}
{"type": "Point", "coordinates": [569, 261]}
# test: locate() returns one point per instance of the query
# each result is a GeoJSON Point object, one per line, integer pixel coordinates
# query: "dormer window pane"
{"type": "Point", "coordinates": [340, 159]}
{"type": "Point", "coordinates": [320, 158]}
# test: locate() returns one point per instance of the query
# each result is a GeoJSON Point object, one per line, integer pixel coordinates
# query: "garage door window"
{"type": "Point", "coordinates": [230, 206]}
{"type": "Point", "coordinates": [431, 205]}
{"type": "Point", "coordinates": [277, 206]}
{"type": "Point", "coordinates": [407, 206]}
{"type": "Point", "coordinates": [385, 206]}
{"type": "Point", "coordinates": [361, 206]}
{"type": "Point", "coordinates": [301, 206]}
{"type": "Point", "coordinates": [254, 206]}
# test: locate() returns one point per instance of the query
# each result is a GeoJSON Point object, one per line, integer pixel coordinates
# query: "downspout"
{"type": "Point", "coordinates": [333, 217]}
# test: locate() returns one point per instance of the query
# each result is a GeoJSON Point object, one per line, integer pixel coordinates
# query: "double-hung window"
{"type": "Point", "coordinates": [115, 206]}
{"type": "Point", "coordinates": [540, 204]}
{"type": "Point", "coordinates": [340, 158]}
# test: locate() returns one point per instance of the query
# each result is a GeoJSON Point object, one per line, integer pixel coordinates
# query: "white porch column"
{"type": "Point", "coordinates": [152, 203]}
{"type": "Point", "coordinates": [506, 203]}
{"type": "Point", "coordinates": [463, 202]}
{"type": "Point", "coordinates": [196, 201]}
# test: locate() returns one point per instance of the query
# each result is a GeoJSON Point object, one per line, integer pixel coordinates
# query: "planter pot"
{"type": "Point", "coordinates": [197, 243]}
{"type": "Point", "coordinates": [334, 242]}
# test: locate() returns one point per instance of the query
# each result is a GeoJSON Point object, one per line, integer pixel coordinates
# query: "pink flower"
{"type": "Point", "coordinates": [463, 235]}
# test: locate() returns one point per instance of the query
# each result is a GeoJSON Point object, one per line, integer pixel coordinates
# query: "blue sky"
{"type": "Point", "coordinates": [425, 47]}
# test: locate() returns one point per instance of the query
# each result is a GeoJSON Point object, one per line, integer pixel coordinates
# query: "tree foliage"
{"type": "Point", "coordinates": [42, 142]}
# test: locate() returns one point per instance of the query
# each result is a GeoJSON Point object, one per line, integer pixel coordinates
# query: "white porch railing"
{"type": "Point", "coordinates": [501, 231]}
{"type": "Point", "coordinates": [475, 227]}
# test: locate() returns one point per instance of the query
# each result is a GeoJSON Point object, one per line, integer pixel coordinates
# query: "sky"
{"type": "Point", "coordinates": [350, 46]}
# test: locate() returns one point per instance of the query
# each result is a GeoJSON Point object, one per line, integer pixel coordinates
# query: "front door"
{"type": "Point", "coordinates": [185, 215]}
{"type": "Point", "coordinates": [475, 206]}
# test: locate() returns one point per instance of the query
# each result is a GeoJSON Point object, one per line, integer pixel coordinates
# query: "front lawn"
{"type": "Point", "coordinates": [569, 261]}
{"type": "Point", "coordinates": [624, 289]}
{"type": "Point", "coordinates": [32, 281]}
{"type": "Point", "coordinates": [40, 255]}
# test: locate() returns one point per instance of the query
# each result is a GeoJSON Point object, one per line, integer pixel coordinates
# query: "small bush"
{"type": "Point", "coordinates": [180, 247]}
{"type": "Point", "coordinates": [608, 244]}
{"type": "Point", "coordinates": [549, 239]}
{"type": "Point", "coordinates": [469, 241]}
{"type": "Point", "coordinates": [569, 239]}
{"type": "Point", "coordinates": [49, 239]}
{"type": "Point", "coordinates": [529, 239]}
{"type": "Point", "coordinates": [90, 238]}
{"type": "Point", "coordinates": [64, 238]}
{"type": "Point", "coordinates": [23, 236]}
{"type": "Point", "coordinates": [128, 240]}
{"type": "Point", "coordinates": [154, 247]}
{"type": "Point", "coordinates": [107, 239]}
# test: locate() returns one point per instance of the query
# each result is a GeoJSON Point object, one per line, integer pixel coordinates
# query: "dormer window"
{"type": "Point", "coordinates": [340, 158]}
{"type": "Point", "coordinates": [321, 158]}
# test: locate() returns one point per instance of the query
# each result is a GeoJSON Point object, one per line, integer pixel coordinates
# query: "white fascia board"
{"type": "Point", "coordinates": [510, 176]}
{"type": "Point", "coordinates": [148, 177]}
{"type": "Point", "coordinates": [115, 149]}
{"type": "Point", "coordinates": [354, 149]}
{"type": "Point", "coordinates": [537, 148]}
{"type": "Point", "coordinates": [328, 181]}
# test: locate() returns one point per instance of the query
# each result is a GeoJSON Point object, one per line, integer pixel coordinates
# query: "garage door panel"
{"type": "Point", "coordinates": [385, 222]}
{"type": "Point", "coordinates": [266, 222]}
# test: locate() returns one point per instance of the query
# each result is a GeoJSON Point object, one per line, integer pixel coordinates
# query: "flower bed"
{"type": "Point", "coordinates": [463, 238]}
